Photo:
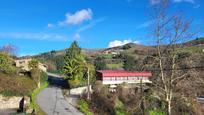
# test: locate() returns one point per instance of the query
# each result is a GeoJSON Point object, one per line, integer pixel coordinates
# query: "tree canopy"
{"type": "Point", "coordinates": [33, 64]}
{"type": "Point", "coordinates": [5, 63]}
{"type": "Point", "coordinates": [73, 61]}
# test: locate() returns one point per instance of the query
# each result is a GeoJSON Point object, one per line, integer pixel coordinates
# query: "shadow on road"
{"type": "Point", "coordinates": [57, 82]}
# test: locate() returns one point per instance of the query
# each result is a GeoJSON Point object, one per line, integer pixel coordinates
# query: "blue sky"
{"type": "Point", "coordinates": [37, 26]}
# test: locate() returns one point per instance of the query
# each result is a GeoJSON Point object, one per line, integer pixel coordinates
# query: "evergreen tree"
{"type": "Point", "coordinates": [74, 61]}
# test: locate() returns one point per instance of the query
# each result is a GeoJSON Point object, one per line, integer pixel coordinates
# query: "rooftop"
{"type": "Point", "coordinates": [122, 73]}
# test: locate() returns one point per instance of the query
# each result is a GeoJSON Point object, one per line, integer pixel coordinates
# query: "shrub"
{"type": "Point", "coordinates": [119, 108]}
{"type": "Point", "coordinates": [84, 107]}
{"type": "Point", "coordinates": [100, 65]}
{"type": "Point", "coordinates": [74, 83]}
{"type": "Point", "coordinates": [44, 77]}
{"type": "Point", "coordinates": [33, 95]}
{"type": "Point", "coordinates": [156, 112]}
{"type": "Point", "coordinates": [6, 64]}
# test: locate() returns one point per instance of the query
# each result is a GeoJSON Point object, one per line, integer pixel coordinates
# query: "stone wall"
{"type": "Point", "coordinates": [11, 102]}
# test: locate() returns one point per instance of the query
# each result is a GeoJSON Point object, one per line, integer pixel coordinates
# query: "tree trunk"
{"type": "Point", "coordinates": [38, 84]}
{"type": "Point", "coordinates": [169, 107]}
{"type": "Point", "coordinates": [169, 100]}
{"type": "Point", "coordinates": [39, 79]}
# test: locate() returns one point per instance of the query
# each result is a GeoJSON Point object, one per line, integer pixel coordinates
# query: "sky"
{"type": "Point", "coordinates": [37, 26]}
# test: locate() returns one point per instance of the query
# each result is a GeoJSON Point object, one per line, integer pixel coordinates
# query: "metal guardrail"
{"type": "Point", "coordinates": [54, 75]}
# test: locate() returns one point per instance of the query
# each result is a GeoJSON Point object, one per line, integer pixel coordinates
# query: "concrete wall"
{"type": "Point", "coordinates": [79, 90]}
{"type": "Point", "coordinates": [120, 80]}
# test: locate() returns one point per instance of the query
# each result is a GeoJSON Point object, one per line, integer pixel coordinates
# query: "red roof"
{"type": "Point", "coordinates": [122, 73]}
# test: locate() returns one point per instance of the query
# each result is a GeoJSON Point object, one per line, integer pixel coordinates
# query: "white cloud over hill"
{"type": "Point", "coordinates": [116, 43]}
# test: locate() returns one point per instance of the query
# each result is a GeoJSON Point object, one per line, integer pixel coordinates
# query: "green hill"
{"type": "Point", "coordinates": [115, 57]}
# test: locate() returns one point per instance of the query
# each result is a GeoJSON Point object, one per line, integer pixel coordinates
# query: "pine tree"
{"type": "Point", "coordinates": [74, 61]}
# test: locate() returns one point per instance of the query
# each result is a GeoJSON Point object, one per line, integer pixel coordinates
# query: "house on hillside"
{"type": "Point", "coordinates": [23, 64]}
{"type": "Point", "coordinates": [112, 51]}
{"type": "Point", "coordinates": [116, 77]}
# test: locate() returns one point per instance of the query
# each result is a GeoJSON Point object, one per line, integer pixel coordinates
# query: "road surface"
{"type": "Point", "coordinates": [52, 101]}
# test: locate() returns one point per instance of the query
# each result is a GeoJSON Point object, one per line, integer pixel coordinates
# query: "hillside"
{"type": "Point", "coordinates": [115, 57]}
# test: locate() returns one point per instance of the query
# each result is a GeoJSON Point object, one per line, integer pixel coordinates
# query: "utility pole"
{"type": "Point", "coordinates": [88, 87]}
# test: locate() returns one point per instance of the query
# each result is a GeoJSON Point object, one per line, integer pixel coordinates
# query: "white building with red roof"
{"type": "Point", "coordinates": [114, 77]}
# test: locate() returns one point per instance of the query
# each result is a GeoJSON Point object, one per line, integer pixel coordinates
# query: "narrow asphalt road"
{"type": "Point", "coordinates": [52, 101]}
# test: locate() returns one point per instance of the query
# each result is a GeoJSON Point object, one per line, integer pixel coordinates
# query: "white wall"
{"type": "Point", "coordinates": [120, 80]}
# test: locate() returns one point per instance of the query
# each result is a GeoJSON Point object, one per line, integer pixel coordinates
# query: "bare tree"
{"type": "Point", "coordinates": [169, 31]}
{"type": "Point", "coordinates": [9, 49]}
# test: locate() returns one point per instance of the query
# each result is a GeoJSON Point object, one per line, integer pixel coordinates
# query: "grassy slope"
{"type": "Point", "coordinates": [15, 85]}
{"type": "Point", "coordinates": [139, 52]}
{"type": "Point", "coordinates": [21, 86]}
{"type": "Point", "coordinates": [194, 49]}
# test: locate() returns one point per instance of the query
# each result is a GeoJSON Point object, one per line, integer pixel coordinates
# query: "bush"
{"type": "Point", "coordinates": [104, 56]}
{"type": "Point", "coordinates": [84, 107]}
{"type": "Point", "coordinates": [103, 102]}
{"type": "Point", "coordinates": [6, 64]}
{"type": "Point", "coordinates": [33, 95]}
{"type": "Point", "coordinates": [44, 77]}
{"type": "Point", "coordinates": [156, 112]}
{"type": "Point", "coordinates": [119, 108]}
{"type": "Point", "coordinates": [74, 83]}
{"type": "Point", "coordinates": [100, 65]}
{"type": "Point", "coordinates": [129, 63]}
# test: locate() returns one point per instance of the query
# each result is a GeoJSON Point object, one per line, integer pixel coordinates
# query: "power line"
{"type": "Point", "coordinates": [189, 68]}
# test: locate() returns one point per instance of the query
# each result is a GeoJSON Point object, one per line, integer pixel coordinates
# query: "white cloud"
{"type": "Point", "coordinates": [35, 36]}
{"type": "Point", "coordinates": [189, 1]}
{"type": "Point", "coordinates": [78, 17]}
{"type": "Point", "coordinates": [116, 43]}
{"type": "Point", "coordinates": [77, 36]}
{"type": "Point", "coordinates": [49, 25]}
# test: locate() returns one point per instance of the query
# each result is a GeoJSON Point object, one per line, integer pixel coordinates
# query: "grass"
{"type": "Point", "coordinates": [119, 108]}
{"type": "Point", "coordinates": [156, 112]}
{"type": "Point", "coordinates": [114, 65]}
{"type": "Point", "coordinates": [16, 85]}
{"type": "Point", "coordinates": [33, 103]}
{"type": "Point", "coordinates": [193, 49]}
{"type": "Point", "coordinates": [84, 107]}
{"type": "Point", "coordinates": [105, 56]}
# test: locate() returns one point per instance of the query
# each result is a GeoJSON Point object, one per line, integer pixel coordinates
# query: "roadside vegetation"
{"type": "Point", "coordinates": [40, 78]}
{"type": "Point", "coordinates": [12, 84]}
{"type": "Point", "coordinates": [34, 94]}
{"type": "Point", "coordinates": [77, 70]}
{"type": "Point", "coordinates": [17, 82]}
{"type": "Point", "coordinates": [84, 107]}
{"type": "Point", "coordinates": [15, 85]}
